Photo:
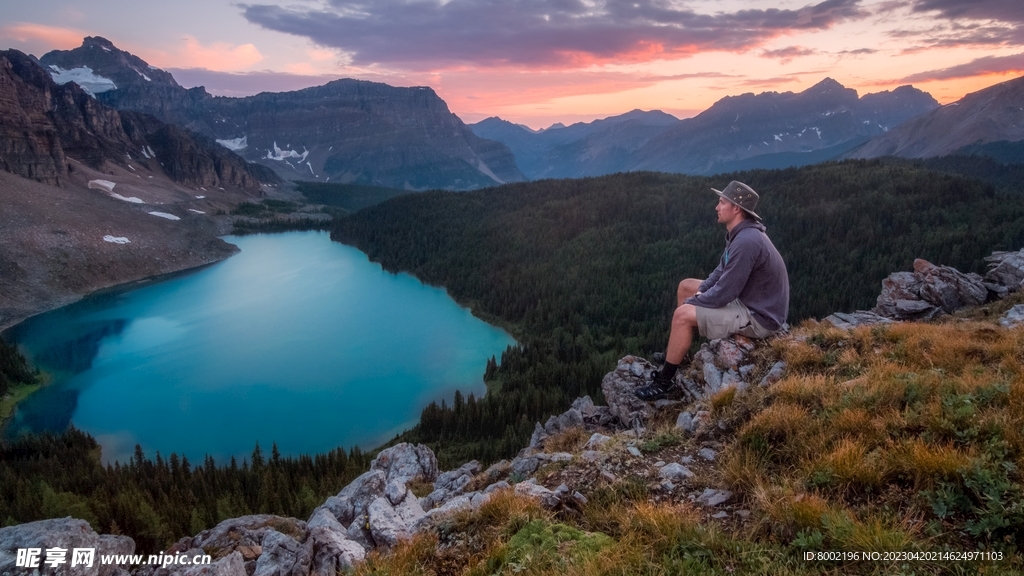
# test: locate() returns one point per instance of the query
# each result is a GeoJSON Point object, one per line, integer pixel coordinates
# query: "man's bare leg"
{"type": "Point", "coordinates": [687, 288]}
{"type": "Point", "coordinates": [684, 320]}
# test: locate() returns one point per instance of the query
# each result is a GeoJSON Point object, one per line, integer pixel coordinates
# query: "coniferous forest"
{"type": "Point", "coordinates": [581, 272]}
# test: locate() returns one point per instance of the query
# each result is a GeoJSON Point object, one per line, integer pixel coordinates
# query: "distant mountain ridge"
{"type": "Point", "coordinates": [581, 149]}
{"type": "Point", "coordinates": [989, 115]}
{"type": "Point", "coordinates": [743, 128]}
{"type": "Point", "coordinates": [767, 130]}
{"type": "Point", "coordinates": [344, 131]}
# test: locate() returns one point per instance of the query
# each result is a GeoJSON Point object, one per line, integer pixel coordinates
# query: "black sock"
{"type": "Point", "coordinates": [668, 370]}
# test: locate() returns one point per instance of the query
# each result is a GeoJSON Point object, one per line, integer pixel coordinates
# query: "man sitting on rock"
{"type": "Point", "coordinates": [748, 293]}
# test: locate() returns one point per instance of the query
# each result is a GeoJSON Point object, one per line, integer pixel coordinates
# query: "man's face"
{"type": "Point", "coordinates": [726, 211]}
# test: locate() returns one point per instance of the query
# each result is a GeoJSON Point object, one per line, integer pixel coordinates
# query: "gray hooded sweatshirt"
{"type": "Point", "coordinates": [751, 270]}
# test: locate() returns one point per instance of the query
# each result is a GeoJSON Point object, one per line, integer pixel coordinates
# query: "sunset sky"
{"type": "Point", "coordinates": [538, 62]}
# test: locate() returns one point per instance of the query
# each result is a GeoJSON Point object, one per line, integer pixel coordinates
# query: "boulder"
{"type": "Point", "coordinates": [530, 488]}
{"type": "Point", "coordinates": [596, 440]}
{"type": "Point", "coordinates": [928, 291]}
{"type": "Point", "coordinates": [406, 462]}
{"type": "Point", "coordinates": [618, 387]}
{"type": "Point", "coordinates": [1006, 269]}
{"type": "Point", "coordinates": [235, 533]}
{"type": "Point", "coordinates": [389, 524]}
{"type": "Point", "coordinates": [1014, 317]}
{"type": "Point", "coordinates": [283, 555]}
{"type": "Point", "coordinates": [67, 534]}
{"type": "Point", "coordinates": [360, 492]}
{"type": "Point", "coordinates": [333, 552]}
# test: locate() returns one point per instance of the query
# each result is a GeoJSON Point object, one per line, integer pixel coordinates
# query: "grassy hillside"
{"type": "Point", "coordinates": [901, 441]}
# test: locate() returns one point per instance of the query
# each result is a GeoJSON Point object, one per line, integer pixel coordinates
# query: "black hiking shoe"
{"type": "Point", "coordinates": [656, 390]}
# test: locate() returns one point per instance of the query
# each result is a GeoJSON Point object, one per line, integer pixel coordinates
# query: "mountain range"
{"type": "Point", "coordinates": [347, 131]}
{"type": "Point", "coordinates": [969, 125]}
{"type": "Point", "coordinates": [768, 130]}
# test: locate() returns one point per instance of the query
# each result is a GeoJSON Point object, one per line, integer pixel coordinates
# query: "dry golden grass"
{"type": "Point", "coordinates": [723, 398]}
{"type": "Point", "coordinates": [924, 463]}
{"type": "Point", "coordinates": [572, 440]}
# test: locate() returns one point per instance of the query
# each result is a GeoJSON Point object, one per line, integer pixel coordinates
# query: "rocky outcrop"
{"type": "Point", "coordinates": [930, 291]}
{"type": "Point", "coordinates": [344, 131]}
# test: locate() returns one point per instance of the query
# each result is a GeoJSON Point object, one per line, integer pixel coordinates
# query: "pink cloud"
{"type": "Point", "coordinates": [54, 36]}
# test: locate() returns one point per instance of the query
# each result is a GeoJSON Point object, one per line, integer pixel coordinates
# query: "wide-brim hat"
{"type": "Point", "coordinates": [741, 195]}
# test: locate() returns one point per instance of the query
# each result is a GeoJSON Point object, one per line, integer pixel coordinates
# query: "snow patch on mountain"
{"type": "Point", "coordinates": [235, 144]}
{"type": "Point", "coordinates": [116, 239]}
{"type": "Point", "coordinates": [89, 81]}
{"type": "Point", "coordinates": [279, 154]}
{"type": "Point", "coordinates": [165, 215]}
{"type": "Point", "coordinates": [132, 199]}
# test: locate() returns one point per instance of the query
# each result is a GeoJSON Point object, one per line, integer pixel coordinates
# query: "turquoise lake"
{"type": "Point", "coordinates": [296, 340]}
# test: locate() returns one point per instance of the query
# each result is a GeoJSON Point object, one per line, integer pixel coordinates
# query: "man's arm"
{"type": "Point", "coordinates": [730, 282]}
{"type": "Point", "coordinates": [712, 278]}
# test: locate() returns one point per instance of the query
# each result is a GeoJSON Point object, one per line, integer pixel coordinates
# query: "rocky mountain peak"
{"type": "Point", "coordinates": [105, 60]}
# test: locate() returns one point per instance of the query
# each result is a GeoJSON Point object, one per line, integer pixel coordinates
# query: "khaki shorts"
{"type": "Point", "coordinates": [733, 318]}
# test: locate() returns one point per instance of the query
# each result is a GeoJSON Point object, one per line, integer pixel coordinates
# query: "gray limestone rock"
{"type": "Point", "coordinates": [333, 552]}
{"type": "Point", "coordinates": [530, 488]}
{"type": "Point", "coordinates": [732, 379]}
{"type": "Point", "coordinates": [707, 454]}
{"type": "Point", "coordinates": [359, 532]}
{"type": "Point", "coordinates": [777, 371]}
{"type": "Point", "coordinates": [675, 472]}
{"type": "Point", "coordinates": [596, 441]}
{"type": "Point", "coordinates": [389, 524]}
{"type": "Point", "coordinates": [65, 533]}
{"type": "Point", "coordinates": [711, 497]}
{"type": "Point", "coordinates": [685, 421]}
{"type": "Point", "coordinates": [1006, 269]}
{"type": "Point", "coordinates": [570, 419]}
{"type": "Point", "coordinates": [407, 462]}
{"type": "Point", "coordinates": [712, 379]}
{"type": "Point", "coordinates": [551, 426]}
{"type": "Point", "coordinates": [928, 291]}
{"type": "Point", "coordinates": [501, 485]}
{"type": "Point", "coordinates": [282, 556]}
{"type": "Point", "coordinates": [849, 321]}
{"type": "Point", "coordinates": [618, 387]}
{"type": "Point", "coordinates": [246, 531]}
{"type": "Point", "coordinates": [323, 518]}
{"type": "Point", "coordinates": [634, 451]}
{"type": "Point", "coordinates": [1014, 317]}
{"type": "Point", "coordinates": [539, 435]}
{"type": "Point", "coordinates": [353, 499]}
{"type": "Point", "coordinates": [395, 491]}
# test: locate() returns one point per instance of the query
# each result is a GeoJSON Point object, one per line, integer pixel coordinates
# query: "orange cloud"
{"type": "Point", "coordinates": [56, 37]}
{"type": "Point", "coordinates": [219, 56]}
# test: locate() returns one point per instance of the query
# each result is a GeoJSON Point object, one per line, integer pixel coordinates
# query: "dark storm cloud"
{"type": "Point", "coordinates": [968, 23]}
{"type": "Point", "coordinates": [430, 33]}
{"type": "Point", "coordinates": [986, 65]}
{"type": "Point", "coordinates": [1001, 10]}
